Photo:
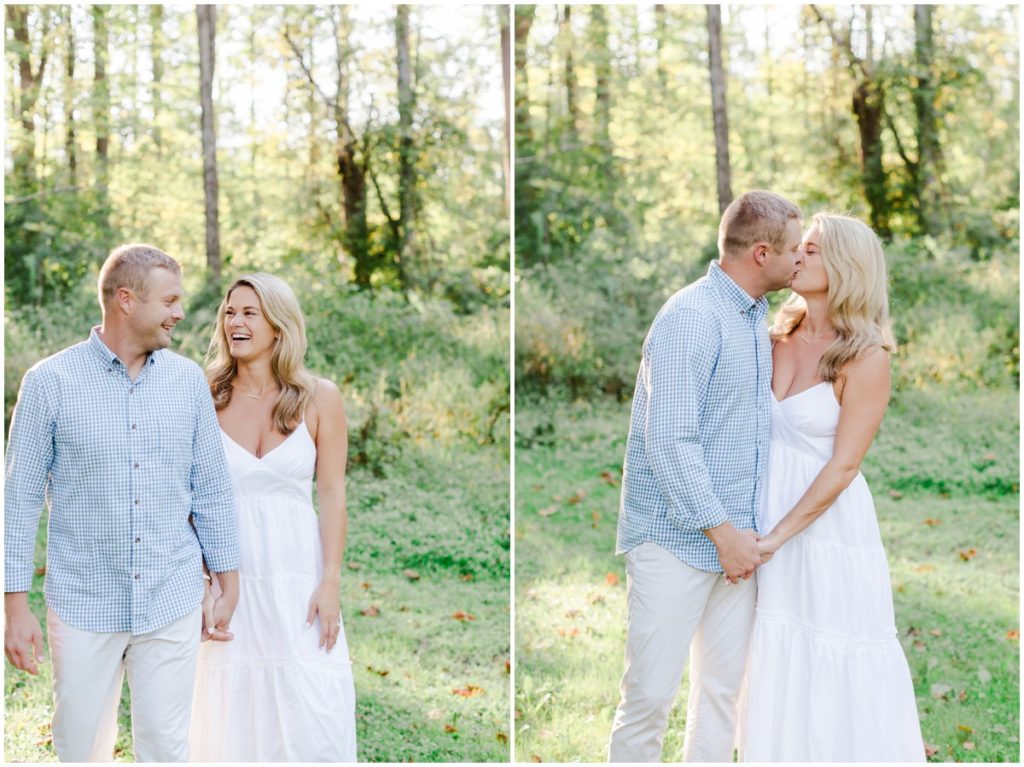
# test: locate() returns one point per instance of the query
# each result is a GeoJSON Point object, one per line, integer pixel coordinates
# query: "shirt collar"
{"type": "Point", "coordinates": [102, 351]}
{"type": "Point", "coordinates": [726, 287]}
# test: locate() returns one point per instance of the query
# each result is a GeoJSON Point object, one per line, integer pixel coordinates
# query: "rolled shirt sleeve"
{"type": "Point", "coordinates": [27, 469]}
{"type": "Point", "coordinates": [679, 359]}
{"type": "Point", "coordinates": [213, 503]}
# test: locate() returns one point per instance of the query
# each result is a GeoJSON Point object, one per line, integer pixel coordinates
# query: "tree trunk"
{"type": "Point", "coordinates": [528, 228]}
{"type": "Point", "coordinates": [718, 107]}
{"type": "Point", "coordinates": [929, 153]}
{"type": "Point", "coordinates": [29, 82]}
{"type": "Point", "coordinates": [660, 30]}
{"type": "Point", "coordinates": [406, 147]}
{"type": "Point", "coordinates": [351, 173]}
{"type": "Point", "coordinates": [571, 83]}
{"type": "Point", "coordinates": [506, 81]}
{"type": "Point", "coordinates": [70, 153]}
{"type": "Point", "coordinates": [156, 54]}
{"type": "Point", "coordinates": [602, 80]}
{"type": "Point", "coordinates": [206, 17]}
{"type": "Point", "coordinates": [101, 104]}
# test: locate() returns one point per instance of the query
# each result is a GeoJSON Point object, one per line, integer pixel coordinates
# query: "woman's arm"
{"type": "Point", "coordinates": [331, 458]}
{"type": "Point", "coordinates": [865, 398]}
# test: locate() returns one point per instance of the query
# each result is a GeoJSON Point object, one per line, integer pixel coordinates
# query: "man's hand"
{"type": "Point", "coordinates": [23, 636]}
{"type": "Point", "coordinates": [737, 550]}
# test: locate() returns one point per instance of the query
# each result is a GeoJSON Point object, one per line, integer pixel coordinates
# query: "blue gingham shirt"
{"type": "Point", "coordinates": [122, 465]}
{"type": "Point", "coordinates": [699, 428]}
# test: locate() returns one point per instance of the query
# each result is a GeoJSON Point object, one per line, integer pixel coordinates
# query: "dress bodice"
{"type": "Point", "coordinates": [287, 470]}
{"type": "Point", "coordinates": [807, 420]}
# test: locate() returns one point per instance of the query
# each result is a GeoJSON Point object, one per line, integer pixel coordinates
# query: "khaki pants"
{"type": "Point", "coordinates": [88, 668]}
{"type": "Point", "coordinates": [675, 609]}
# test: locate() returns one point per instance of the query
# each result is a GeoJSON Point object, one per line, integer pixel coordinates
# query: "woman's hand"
{"type": "Point", "coordinates": [326, 605]}
{"type": "Point", "coordinates": [767, 547]}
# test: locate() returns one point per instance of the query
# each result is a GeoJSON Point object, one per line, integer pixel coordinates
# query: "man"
{"type": "Point", "coordinates": [120, 437]}
{"type": "Point", "coordinates": [697, 446]}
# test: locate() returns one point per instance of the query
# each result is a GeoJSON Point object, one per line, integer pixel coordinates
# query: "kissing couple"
{"type": "Point", "coordinates": [749, 533]}
{"type": "Point", "coordinates": [180, 510]}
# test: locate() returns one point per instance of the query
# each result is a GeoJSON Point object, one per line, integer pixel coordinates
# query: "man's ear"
{"type": "Point", "coordinates": [124, 300]}
{"type": "Point", "coordinates": [761, 253]}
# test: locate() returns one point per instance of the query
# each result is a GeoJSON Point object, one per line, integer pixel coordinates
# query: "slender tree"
{"type": "Point", "coordinates": [70, 151]}
{"type": "Point", "coordinates": [29, 83]}
{"type": "Point", "coordinates": [929, 151]}
{"type": "Point", "coordinates": [506, 81]}
{"type": "Point", "coordinates": [156, 55]}
{"type": "Point", "coordinates": [718, 107]}
{"type": "Point", "coordinates": [406, 146]}
{"type": "Point", "coordinates": [206, 17]}
{"type": "Point", "coordinates": [571, 81]}
{"type": "Point", "coordinates": [101, 104]}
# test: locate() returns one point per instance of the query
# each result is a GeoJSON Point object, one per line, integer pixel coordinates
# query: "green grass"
{"type": "Point", "coordinates": [944, 476]}
{"type": "Point", "coordinates": [443, 513]}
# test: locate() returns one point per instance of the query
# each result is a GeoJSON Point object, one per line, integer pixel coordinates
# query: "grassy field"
{"type": "Point", "coordinates": [429, 686]}
{"type": "Point", "coordinates": [944, 472]}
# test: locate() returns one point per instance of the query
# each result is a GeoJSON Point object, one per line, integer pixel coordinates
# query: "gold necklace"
{"type": "Point", "coordinates": [814, 337]}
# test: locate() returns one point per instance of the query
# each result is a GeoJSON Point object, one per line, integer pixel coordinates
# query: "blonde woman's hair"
{"type": "Point", "coordinates": [281, 308]}
{"type": "Point", "coordinates": [858, 293]}
{"type": "Point", "coordinates": [754, 217]}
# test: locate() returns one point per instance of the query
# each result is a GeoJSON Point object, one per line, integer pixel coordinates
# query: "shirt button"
{"type": "Point", "coordinates": [136, 501]}
{"type": "Point", "coordinates": [138, 540]}
{"type": "Point", "coordinates": [135, 466]}
{"type": "Point", "coordinates": [137, 576]}
{"type": "Point", "coordinates": [133, 427]}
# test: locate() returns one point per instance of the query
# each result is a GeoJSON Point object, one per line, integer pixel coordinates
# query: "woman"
{"type": "Point", "coordinates": [827, 679]}
{"type": "Point", "coordinates": [281, 689]}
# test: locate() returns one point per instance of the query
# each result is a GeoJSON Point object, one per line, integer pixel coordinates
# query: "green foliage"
{"type": "Point", "coordinates": [943, 471]}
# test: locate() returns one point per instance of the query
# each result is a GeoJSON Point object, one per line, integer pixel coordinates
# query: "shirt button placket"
{"type": "Point", "coordinates": [134, 525]}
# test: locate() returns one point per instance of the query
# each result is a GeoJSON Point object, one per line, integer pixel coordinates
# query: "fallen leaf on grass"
{"type": "Point", "coordinates": [941, 690]}
{"type": "Point", "coordinates": [594, 519]}
{"type": "Point", "coordinates": [965, 728]}
{"type": "Point", "coordinates": [412, 575]}
{"type": "Point", "coordinates": [930, 750]}
{"type": "Point", "coordinates": [371, 612]}
{"type": "Point", "coordinates": [461, 616]}
{"type": "Point", "coordinates": [378, 672]}
{"type": "Point", "coordinates": [364, 586]}
{"type": "Point", "coordinates": [968, 745]}
{"type": "Point", "coordinates": [962, 697]}
{"type": "Point", "coordinates": [569, 632]}
{"type": "Point", "coordinates": [41, 570]}
{"type": "Point", "coordinates": [535, 758]}
{"type": "Point", "coordinates": [450, 728]}
{"type": "Point", "coordinates": [466, 577]}
{"type": "Point", "coordinates": [988, 457]}
{"type": "Point", "coordinates": [896, 494]}
{"type": "Point", "coordinates": [1013, 634]}
{"type": "Point", "coordinates": [508, 666]}
{"type": "Point", "coordinates": [932, 522]}
{"type": "Point", "coordinates": [913, 631]}
{"type": "Point", "coordinates": [435, 713]}
{"type": "Point", "coordinates": [919, 646]}
{"type": "Point", "coordinates": [547, 511]}
{"type": "Point", "coordinates": [576, 497]}
{"type": "Point", "coordinates": [501, 737]}
{"type": "Point", "coordinates": [967, 554]}
{"type": "Point", "coordinates": [573, 613]}
{"type": "Point", "coordinates": [354, 565]}
{"type": "Point", "coordinates": [45, 742]}
{"type": "Point", "coordinates": [469, 691]}
{"type": "Point", "coordinates": [596, 599]}
{"type": "Point", "coordinates": [609, 478]}
{"type": "Point", "coordinates": [935, 632]}
{"type": "Point", "coordinates": [924, 568]}
{"type": "Point", "coordinates": [611, 579]}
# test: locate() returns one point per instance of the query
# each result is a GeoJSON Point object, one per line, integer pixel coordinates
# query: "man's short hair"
{"type": "Point", "coordinates": [128, 266]}
{"type": "Point", "coordinates": [754, 217]}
